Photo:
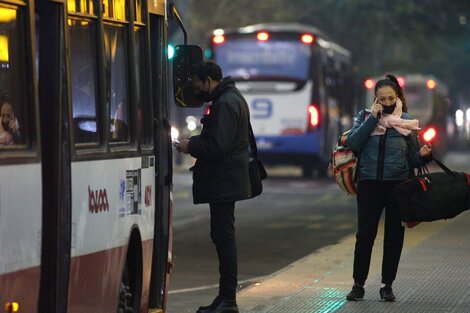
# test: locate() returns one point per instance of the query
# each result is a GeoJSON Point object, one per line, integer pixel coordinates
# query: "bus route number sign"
{"type": "Point", "coordinates": [262, 108]}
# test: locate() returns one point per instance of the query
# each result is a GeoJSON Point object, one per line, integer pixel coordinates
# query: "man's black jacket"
{"type": "Point", "coordinates": [221, 170]}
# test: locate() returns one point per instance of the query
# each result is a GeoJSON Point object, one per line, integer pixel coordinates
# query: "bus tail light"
{"type": "Point", "coordinates": [313, 117]}
{"type": "Point", "coordinates": [431, 83]}
{"type": "Point", "coordinates": [401, 81]}
{"type": "Point", "coordinates": [430, 134]}
{"type": "Point", "coordinates": [307, 38]}
{"type": "Point", "coordinates": [369, 83]}
{"type": "Point", "coordinates": [218, 39]}
{"type": "Point", "coordinates": [262, 36]}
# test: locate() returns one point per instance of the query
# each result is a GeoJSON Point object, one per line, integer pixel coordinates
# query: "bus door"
{"type": "Point", "coordinates": [20, 162]}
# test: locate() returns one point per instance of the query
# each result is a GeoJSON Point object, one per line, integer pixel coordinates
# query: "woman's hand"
{"type": "Point", "coordinates": [376, 108]}
{"type": "Point", "coordinates": [425, 150]}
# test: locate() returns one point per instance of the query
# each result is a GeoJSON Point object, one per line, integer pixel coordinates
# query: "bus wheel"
{"type": "Point", "coordinates": [130, 290]}
{"type": "Point", "coordinates": [125, 299]}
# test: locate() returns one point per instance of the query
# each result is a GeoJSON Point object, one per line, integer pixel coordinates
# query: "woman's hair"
{"type": "Point", "coordinates": [392, 81]}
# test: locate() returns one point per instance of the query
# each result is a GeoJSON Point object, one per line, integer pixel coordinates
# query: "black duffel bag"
{"type": "Point", "coordinates": [433, 196]}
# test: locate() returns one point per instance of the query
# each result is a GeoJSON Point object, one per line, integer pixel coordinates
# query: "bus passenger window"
{"type": "Point", "coordinates": [83, 78]}
{"type": "Point", "coordinates": [116, 81]}
{"type": "Point", "coordinates": [82, 6]}
{"type": "Point", "coordinates": [144, 112]}
{"type": "Point", "coordinates": [13, 88]}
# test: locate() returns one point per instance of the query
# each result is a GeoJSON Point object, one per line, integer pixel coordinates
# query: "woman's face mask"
{"type": "Point", "coordinates": [388, 109]}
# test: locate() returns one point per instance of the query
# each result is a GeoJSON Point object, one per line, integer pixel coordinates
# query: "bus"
{"type": "Point", "coordinates": [427, 100]}
{"type": "Point", "coordinates": [299, 85]}
{"type": "Point", "coordinates": [85, 156]}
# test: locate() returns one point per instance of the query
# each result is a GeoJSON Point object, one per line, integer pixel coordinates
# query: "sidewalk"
{"type": "Point", "coordinates": [434, 276]}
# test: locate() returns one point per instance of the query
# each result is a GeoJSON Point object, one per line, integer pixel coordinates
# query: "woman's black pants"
{"type": "Point", "coordinates": [372, 197]}
{"type": "Point", "coordinates": [223, 237]}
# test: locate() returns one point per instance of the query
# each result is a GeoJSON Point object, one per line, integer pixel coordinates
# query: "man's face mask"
{"type": "Point", "coordinates": [204, 95]}
{"type": "Point", "coordinates": [389, 108]}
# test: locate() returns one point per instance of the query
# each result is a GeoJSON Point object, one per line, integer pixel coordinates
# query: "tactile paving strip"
{"type": "Point", "coordinates": [434, 276]}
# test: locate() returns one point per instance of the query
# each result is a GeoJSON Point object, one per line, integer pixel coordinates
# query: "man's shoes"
{"type": "Point", "coordinates": [219, 305]}
{"type": "Point", "coordinates": [386, 293]}
{"type": "Point", "coordinates": [356, 294]}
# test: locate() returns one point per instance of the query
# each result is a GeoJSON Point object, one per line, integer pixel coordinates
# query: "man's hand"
{"type": "Point", "coordinates": [183, 147]}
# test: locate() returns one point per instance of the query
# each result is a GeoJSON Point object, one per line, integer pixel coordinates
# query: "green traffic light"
{"type": "Point", "coordinates": [171, 52]}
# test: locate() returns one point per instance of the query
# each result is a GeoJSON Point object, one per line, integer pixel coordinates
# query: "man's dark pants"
{"type": "Point", "coordinates": [223, 237]}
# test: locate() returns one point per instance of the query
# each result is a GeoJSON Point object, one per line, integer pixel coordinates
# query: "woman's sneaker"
{"type": "Point", "coordinates": [356, 294]}
{"type": "Point", "coordinates": [386, 293]}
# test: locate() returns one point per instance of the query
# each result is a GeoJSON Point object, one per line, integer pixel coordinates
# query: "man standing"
{"type": "Point", "coordinates": [220, 175]}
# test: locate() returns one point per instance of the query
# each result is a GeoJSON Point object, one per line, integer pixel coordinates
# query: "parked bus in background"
{"type": "Point", "coordinates": [299, 85]}
{"type": "Point", "coordinates": [427, 101]}
{"type": "Point", "coordinates": [85, 156]}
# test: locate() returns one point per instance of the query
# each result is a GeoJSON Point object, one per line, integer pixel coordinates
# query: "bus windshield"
{"type": "Point", "coordinates": [417, 96]}
{"type": "Point", "coordinates": [250, 59]}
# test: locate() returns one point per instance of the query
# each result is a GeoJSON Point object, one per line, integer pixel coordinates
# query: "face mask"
{"type": "Point", "coordinates": [204, 95]}
{"type": "Point", "coordinates": [389, 109]}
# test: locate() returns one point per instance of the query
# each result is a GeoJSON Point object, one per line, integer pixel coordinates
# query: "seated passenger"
{"type": "Point", "coordinates": [9, 128]}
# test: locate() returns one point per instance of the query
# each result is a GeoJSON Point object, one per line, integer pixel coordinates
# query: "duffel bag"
{"type": "Point", "coordinates": [433, 196]}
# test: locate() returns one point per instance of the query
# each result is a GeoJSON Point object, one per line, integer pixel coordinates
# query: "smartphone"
{"type": "Point", "coordinates": [379, 115]}
{"type": "Point", "coordinates": [176, 143]}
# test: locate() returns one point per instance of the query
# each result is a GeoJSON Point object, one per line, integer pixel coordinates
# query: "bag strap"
{"type": "Point", "coordinates": [253, 147]}
{"type": "Point", "coordinates": [251, 136]}
{"type": "Point", "coordinates": [445, 168]}
{"type": "Point", "coordinates": [358, 155]}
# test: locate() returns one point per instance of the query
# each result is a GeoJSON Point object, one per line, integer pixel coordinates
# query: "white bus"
{"type": "Point", "coordinates": [299, 85]}
{"type": "Point", "coordinates": [85, 156]}
{"type": "Point", "coordinates": [427, 101]}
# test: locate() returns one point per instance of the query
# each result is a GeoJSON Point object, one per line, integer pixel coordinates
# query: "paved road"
{"type": "Point", "coordinates": [292, 218]}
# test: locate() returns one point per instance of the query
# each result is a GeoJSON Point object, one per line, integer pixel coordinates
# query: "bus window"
{"type": "Point", "coordinates": [144, 110]}
{"type": "Point", "coordinates": [83, 78]}
{"type": "Point", "coordinates": [81, 6]}
{"type": "Point", "coordinates": [116, 81]}
{"type": "Point", "coordinates": [139, 11]}
{"type": "Point", "coordinates": [249, 59]}
{"type": "Point", "coordinates": [115, 9]}
{"type": "Point", "coordinates": [13, 91]}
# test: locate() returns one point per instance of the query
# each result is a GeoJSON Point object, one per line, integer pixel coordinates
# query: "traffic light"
{"type": "Point", "coordinates": [171, 51]}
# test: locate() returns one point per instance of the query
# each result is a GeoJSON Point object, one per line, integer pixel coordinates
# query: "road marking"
{"type": "Point", "coordinates": [251, 280]}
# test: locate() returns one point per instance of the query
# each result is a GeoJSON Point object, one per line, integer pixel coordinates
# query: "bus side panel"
{"type": "Point", "coordinates": [21, 287]}
{"type": "Point", "coordinates": [20, 234]}
{"type": "Point", "coordinates": [109, 199]}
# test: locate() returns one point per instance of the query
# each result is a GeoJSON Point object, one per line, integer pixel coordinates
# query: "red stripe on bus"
{"type": "Point", "coordinates": [21, 287]}
{"type": "Point", "coordinates": [95, 279]}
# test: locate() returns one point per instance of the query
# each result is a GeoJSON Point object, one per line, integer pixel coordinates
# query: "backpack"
{"type": "Point", "coordinates": [343, 164]}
